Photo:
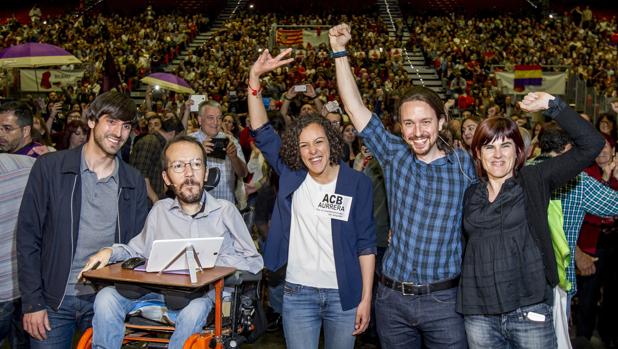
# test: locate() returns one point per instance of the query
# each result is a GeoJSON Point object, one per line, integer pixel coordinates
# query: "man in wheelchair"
{"type": "Point", "coordinates": [193, 213]}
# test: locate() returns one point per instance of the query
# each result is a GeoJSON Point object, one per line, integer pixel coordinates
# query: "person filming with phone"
{"type": "Point", "coordinates": [223, 151]}
{"type": "Point", "coordinates": [310, 103]}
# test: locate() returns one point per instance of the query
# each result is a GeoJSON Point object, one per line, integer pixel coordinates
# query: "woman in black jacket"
{"type": "Point", "coordinates": [509, 268]}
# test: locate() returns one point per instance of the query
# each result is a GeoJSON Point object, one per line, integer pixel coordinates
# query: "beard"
{"type": "Point", "coordinates": [109, 149]}
{"type": "Point", "coordinates": [188, 196]}
{"type": "Point", "coordinates": [423, 149]}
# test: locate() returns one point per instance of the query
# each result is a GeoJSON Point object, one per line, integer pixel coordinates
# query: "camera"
{"type": "Point", "coordinates": [218, 148]}
{"type": "Point", "coordinates": [333, 107]}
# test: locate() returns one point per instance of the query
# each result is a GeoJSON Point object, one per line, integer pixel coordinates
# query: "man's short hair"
{"type": "Point", "coordinates": [553, 138]}
{"type": "Point", "coordinates": [115, 105]}
{"type": "Point", "coordinates": [209, 103]}
{"type": "Point", "coordinates": [178, 139]}
{"type": "Point", "coordinates": [21, 110]}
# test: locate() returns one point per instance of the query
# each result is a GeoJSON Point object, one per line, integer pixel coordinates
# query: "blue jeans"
{"type": "Point", "coordinates": [276, 297]}
{"type": "Point", "coordinates": [515, 329]}
{"type": "Point", "coordinates": [11, 325]}
{"type": "Point", "coordinates": [306, 308]}
{"type": "Point", "coordinates": [75, 313]}
{"type": "Point", "coordinates": [110, 309]}
{"type": "Point", "coordinates": [415, 321]}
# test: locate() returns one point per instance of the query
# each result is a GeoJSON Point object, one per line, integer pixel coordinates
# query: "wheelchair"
{"type": "Point", "coordinates": [243, 321]}
{"type": "Point", "coordinates": [242, 316]}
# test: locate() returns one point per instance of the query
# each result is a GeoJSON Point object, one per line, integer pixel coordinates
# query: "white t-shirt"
{"type": "Point", "coordinates": [311, 260]}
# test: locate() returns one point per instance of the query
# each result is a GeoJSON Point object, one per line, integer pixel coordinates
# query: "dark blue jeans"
{"type": "Point", "coordinates": [528, 327]}
{"type": "Point", "coordinates": [11, 325]}
{"type": "Point", "coordinates": [75, 313]}
{"type": "Point", "coordinates": [427, 321]}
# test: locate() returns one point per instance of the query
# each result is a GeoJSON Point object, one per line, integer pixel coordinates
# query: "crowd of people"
{"type": "Point", "coordinates": [137, 45]}
{"type": "Point", "coordinates": [218, 68]}
{"type": "Point", "coordinates": [431, 202]}
{"type": "Point", "coordinates": [467, 51]}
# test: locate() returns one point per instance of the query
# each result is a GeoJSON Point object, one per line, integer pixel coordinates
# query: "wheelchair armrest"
{"type": "Point", "coordinates": [241, 276]}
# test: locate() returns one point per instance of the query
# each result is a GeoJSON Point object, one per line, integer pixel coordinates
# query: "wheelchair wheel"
{"type": "Point", "coordinates": [85, 342]}
{"type": "Point", "coordinates": [202, 341]}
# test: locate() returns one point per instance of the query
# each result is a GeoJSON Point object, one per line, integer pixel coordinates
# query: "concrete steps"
{"type": "Point", "coordinates": [232, 7]}
{"type": "Point", "coordinates": [414, 62]}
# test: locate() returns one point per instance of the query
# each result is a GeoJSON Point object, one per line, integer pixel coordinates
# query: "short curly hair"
{"type": "Point", "coordinates": [290, 149]}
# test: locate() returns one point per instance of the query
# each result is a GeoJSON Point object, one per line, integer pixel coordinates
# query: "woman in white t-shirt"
{"type": "Point", "coordinates": [321, 228]}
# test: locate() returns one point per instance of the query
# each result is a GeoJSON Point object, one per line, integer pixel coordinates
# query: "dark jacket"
{"type": "Point", "coordinates": [540, 180]}
{"type": "Point", "coordinates": [48, 224]}
{"type": "Point", "coordinates": [351, 239]}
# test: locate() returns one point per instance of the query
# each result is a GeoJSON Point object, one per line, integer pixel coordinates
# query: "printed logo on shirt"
{"type": "Point", "coordinates": [334, 206]}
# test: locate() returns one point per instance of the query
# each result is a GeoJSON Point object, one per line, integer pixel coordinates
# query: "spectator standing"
{"type": "Point", "coordinates": [146, 156]}
{"type": "Point", "coordinates": [75, 134]}
{"type": "Point", "coordinates": [233, 163]}
{"type": "Point", "coordinates": [76, 202]}
{"type": "Point", "coordinates": [15, 129]}
{"type": "Point", "coordinates": [597, 252]}
{"type": "Point", "coordinates": [14, 171]}
{"type": "Point", "coordinates": [581, 195]}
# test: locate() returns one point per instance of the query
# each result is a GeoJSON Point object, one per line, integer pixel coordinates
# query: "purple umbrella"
{"type": "Point", "coordinates": [168, 81]}
{"type": "Point", "coordinates": [35, 54]}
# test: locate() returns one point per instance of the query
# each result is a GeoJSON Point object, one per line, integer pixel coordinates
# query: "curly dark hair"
{"type": "Point", "coordinates": [290, 150]}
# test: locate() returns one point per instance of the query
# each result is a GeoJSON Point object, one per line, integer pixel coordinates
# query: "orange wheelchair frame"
{"type": "Point", "coordinates": [212, 337]}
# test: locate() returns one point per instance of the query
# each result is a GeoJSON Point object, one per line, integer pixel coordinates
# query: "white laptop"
{"type": "Point", "coordinates": [163, 251]}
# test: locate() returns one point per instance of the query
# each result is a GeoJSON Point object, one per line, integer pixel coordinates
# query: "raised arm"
{"type": "Point", "coordinates": [186, 112]}
{"type": "Point", "coordinates": [587, 141]}
{"type": "Point", "coordinates": [348, 91]}
{"type": "Point", "coordinates": [52, 115]}
{"type": "Point", "coordinates": [264, 64]}
{"type": "Point", "coordinates": [314, 97]}
{"type": "Point", "coordinates": [285, 107]}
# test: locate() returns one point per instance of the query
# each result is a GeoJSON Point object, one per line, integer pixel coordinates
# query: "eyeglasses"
{"type": "Point", "coordinates": [335, 123]}
{"type": "Point", "coordinates": [179, 166]}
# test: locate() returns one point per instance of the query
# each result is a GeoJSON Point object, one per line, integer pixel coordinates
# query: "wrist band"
{"type": "Point", "coordinates": [286, 98]}
{"type": "Point", "coordinates": [339, 54]}
{"type": "Point", "coordinates": [254, 91]}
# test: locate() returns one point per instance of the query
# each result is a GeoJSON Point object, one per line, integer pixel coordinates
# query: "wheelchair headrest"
{"type": "Point", "coordinates": [214, 175]}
